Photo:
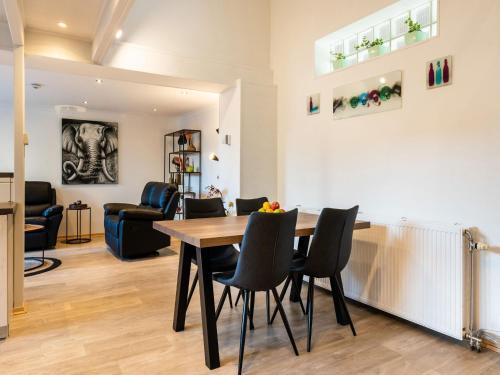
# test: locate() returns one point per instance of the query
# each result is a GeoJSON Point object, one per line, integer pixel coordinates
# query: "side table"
{"type": "Point", "coordinates": [79, 239]}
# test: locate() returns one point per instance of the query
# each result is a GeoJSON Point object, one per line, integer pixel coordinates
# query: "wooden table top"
{"type": "Point", "coordinates": [7, 208]}
{"type": "Point", "coordinates": [228, 230]}
{"type": "Point", "coordinates": [32, 227]}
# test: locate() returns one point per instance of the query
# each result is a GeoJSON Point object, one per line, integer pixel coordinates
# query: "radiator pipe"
{"type": "Point", "coordinates": [476, 337]}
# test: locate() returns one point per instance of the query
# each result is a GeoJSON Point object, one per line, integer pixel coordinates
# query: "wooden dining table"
{"type": "Point", "coordinates": [197, 236]}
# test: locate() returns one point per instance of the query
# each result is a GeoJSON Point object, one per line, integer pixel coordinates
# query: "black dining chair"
{"type": "Point", "coordinates": [264, 263]}
{"type": "Point", "coordinates": [221, 258]}
{"type": "Point", "coordinates": [245, 207]}
{"type": "Point", "coordinates": [328, 255]}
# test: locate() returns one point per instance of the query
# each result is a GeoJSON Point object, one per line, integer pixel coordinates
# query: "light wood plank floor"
{"type": "Point", "coordinates": [98, 315]}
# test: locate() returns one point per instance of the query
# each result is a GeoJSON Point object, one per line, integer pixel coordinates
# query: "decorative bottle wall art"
{"type": "Point", "coordinates": [313, 104]}
{"type": "Point", "coordinates": [438, 72]}
{"type": "Point", "coordinates": [372, 95]}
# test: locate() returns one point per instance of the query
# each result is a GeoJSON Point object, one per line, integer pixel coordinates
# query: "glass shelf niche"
{"type": "Point", "coordinates": [387, 24]}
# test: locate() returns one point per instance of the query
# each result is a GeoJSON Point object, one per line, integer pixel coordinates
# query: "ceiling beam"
{"type": "Point", "coordinates": [14, 15]}
{"type": "Point", "coordinates": [112, 17]}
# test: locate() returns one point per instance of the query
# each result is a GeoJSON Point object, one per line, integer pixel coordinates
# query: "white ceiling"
{"type": "Point", "coordinates": [116, 96]}
{"type": "Point", "coordinates": [81, 16]}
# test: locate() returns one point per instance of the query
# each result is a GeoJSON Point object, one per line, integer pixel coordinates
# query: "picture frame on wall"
{"type": "Point", "coordinates": [89, 152]}
{"type": "Point", "coordinates": [313, 104]}
{"type": "Point", "coordinates": [372, 95]}
{"type": "Point", "coordinates": [438, 72]}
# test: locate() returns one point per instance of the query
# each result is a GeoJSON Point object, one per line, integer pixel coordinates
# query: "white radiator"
{"type": "Point", "coordinates": [412, 270]}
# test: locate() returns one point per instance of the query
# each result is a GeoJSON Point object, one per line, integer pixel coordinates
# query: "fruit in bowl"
{"type": "Point", "coordinates": [273, 207]}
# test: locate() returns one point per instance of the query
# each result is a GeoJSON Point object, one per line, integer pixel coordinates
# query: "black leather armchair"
{"type": "Point", "coordinates": [129, 228]}
{"type": "Point", "coordinates": [41, 209]}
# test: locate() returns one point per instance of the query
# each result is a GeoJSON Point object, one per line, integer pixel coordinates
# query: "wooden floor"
{"type": "Point", "coordinates": [98, 315]}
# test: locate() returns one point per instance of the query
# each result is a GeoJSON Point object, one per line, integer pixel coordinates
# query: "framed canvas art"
{"type": "Point", "coordinates": [89, 152]}
{"type": "Point", "coordinates": [313, 104]}
{"type": "Point", "coordinates": [372, 95]}
{"type": "Point", "coordinates": [438, 72]}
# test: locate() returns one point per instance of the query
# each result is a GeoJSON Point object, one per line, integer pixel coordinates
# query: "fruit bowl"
{"type": "Point", "coordinates": [271, 208]}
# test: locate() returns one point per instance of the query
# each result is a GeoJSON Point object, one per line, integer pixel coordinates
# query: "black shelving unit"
{"type": "Point", "coordinates": [188, 182]}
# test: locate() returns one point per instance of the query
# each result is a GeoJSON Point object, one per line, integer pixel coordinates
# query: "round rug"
{"type": "Point", "coordinates": [48, 265]}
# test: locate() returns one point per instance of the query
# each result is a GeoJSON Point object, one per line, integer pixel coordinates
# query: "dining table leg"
{"type": "Point", "coordinates": [208, 319]}
{"type": "Point", "coordinates": [337, 292]}
{"type": "Point", "coordinates": [302, 248]}
{"type": "Point", "coordinates": [187, 251]}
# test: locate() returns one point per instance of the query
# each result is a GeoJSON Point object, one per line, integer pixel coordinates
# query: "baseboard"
{"type": "Point", "coordinates": [490, 345]}
{"type": "Point", "coordinates": [19, 310]}
{"type": "Point", "coordinates": [63, 238]}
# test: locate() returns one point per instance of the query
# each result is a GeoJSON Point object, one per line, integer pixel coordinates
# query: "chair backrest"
{"type": "Point", "coordinates": [247, 206]}
{"type": "Point", "coordinates": [202, 208]}
{"type": "Point", "coordinates": [157, 195]}
{"type": "Point", "coordinates": [39, 196]}
{"type": "Point", "coordinates": [266, 251]}
{"type": "Point", "coordinates": [332, 241]}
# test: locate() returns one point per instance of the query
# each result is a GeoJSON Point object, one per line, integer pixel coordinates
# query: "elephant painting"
{"type": "Point", "coordinates": [89, 152]}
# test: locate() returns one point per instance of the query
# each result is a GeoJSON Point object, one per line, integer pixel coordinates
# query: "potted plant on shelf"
{"type": "Point", "coordinates": [415, 33]}
{"type": "Point", "coordinates": [339, 60]}
{"type": "Point", "coordinates": [375, 47]}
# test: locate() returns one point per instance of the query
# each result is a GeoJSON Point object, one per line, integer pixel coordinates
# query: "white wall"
{"type": "Point", "coordinates": [6, 139]}
{"type": "Point", "coordinates": [437, 158]}
{"type": "Point", "coordinates": [230, 156]}
{"type": "Point", "coordinates": [140, 157]}
{"type": "Point", "coordinates": [258, 141]}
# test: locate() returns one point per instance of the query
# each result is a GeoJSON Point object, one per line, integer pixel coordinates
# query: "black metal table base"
{"type": "Point", "coordinates": [42, 261]}
{"type": "Point", "coordinates": [54, 263]}
{"type": "Point", "coordinates": [78, 239]}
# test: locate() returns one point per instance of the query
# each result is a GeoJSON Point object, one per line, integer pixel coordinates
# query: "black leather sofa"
{"type": "Point", "coordinates": [129, 228]}
{"type": "Point", "coordinates": [41, 209]}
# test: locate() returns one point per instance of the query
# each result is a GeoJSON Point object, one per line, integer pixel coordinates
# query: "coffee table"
{"type": "Point", "coordinates": [37, 261]}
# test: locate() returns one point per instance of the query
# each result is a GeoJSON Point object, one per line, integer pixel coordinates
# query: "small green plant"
{"type": "Point", "coordinates": [339, 56]}
{"type": "Point", "coordinates": [365, 43]}
{"type": "Point", "coordinates": [412, 25]}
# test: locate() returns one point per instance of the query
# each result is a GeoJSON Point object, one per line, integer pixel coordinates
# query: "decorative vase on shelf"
{"type": "Point", "coordinates": [375, 51]}
{"type": "Point", "coordinates": [190, 146]}
{"type": "Point", "coordinates": [182, 140]}
{"type": "Point", "coordinates": [339, 64]}
{"type": "Point", "coordinates": [414, 37]}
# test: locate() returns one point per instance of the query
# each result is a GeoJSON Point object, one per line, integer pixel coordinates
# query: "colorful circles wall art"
{"type": "Point", "coordinates": [372, 95]}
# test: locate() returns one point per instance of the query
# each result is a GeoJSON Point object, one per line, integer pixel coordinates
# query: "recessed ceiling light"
{"type": "Point", "coordinates": [85, 102]}
{"type": "Point", "coordinates": [98, 80]}
{"type": "Point", "coordinates": [155, 109]}
{"type": "Point", "coordinates": [62, 25]}
{"type": "Point", "coordinates": [382, 80]}
{"type": "Point", "coordinates": [119, 34]}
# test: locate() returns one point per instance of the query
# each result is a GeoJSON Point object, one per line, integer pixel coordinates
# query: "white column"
{"type": "Point", "coordinates": [19, 97]}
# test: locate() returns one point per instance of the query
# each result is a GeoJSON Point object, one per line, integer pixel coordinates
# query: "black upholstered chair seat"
{"type": "Point", "coordinates": [36, 209]}
{"type": "Point", "coordinates": [263, 264]}
{"type": "Point", "coordinates": [129, 227]}
{"type": "Point", "coordinates": [112, 224]}
{"type": "Point", "coordinates": [222, 258]}
{"type": "Point", "coordinates": [41, 209]}
{"type": "Point", "coordinates": [115, 208]}
{"type": "Point", "coordinates": [37, 220]}
{"type": "Point", "coordinates": [298, 262]}
{"type": "Point", "coordinates": [328, 255]}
